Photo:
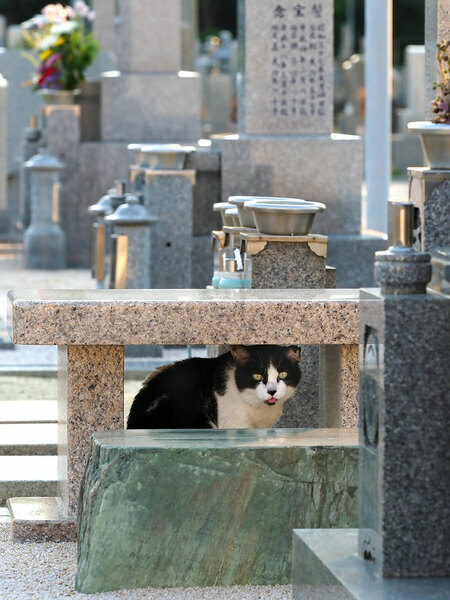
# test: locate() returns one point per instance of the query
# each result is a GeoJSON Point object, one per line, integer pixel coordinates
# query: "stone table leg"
{"type": "Point", "coordinates": [339, 385]}
{"type": "Point", "coordinates": [90, 398]}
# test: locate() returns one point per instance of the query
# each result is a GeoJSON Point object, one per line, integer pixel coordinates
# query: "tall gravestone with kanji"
{"type": "Point", "coordinates": [285, 145]}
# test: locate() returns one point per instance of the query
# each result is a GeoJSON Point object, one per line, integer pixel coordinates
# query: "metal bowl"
{"type": "Point", "coordinates": [233, 214]}
{"type": "Point", "coordinates": [222, 207]}
{"type": "Point", "coordinates": [245, 214]}
{"type": "Point", "coordinates": [165, 156]}
{"type": "Point", "coordinates": [284, 216]}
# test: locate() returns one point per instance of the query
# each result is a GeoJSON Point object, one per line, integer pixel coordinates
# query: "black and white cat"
{"type": "Point", "coordinates": [246, 387]}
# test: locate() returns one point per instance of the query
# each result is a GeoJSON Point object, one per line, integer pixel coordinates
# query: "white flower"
{"type": "Point", "coordinates": [81, 8]}
{"type": "Point", "coordinates": [54, 13]}
{"type": "Point", "coordinates": [48, 42]}
{"type": "Point", "coordinates": [62, 28]}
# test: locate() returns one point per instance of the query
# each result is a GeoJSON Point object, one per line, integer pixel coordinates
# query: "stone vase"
{"type": "Point", "coordinates": [435, 138]}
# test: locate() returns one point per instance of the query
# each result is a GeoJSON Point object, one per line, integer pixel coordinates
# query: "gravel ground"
{"type": "Point", "coordinates": [46, 572]}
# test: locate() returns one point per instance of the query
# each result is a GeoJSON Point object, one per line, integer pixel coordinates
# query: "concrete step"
{"type": "Point", "coordinates": [28, 439]}
{"type": "Point", "coordinates": [28, 476]}
{"type": "Point", "coordinates": [28, 411]}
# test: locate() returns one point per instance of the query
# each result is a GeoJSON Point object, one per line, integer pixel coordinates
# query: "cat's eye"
{"type": "Point", "coordinates": [257, 376]}
{"type": "Point", "coordinates": [282, 375]}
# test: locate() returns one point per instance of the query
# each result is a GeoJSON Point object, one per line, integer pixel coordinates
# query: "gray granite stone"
{"type": "Point", "coordinates": [288, 70]}
{"type": "Point", "coordinates": [326, 567]}
{"type": "Point", "coordinates": [288, 265]}
{"type": "Point", "coordinates": [3, 144]}
{"type": "Point", "coordinates": [404, 513]}
{"type": "Point", "coordinates": [220, 526]}
{"type": "Point", "coordinates": [104, 25]}
{"type": "Point", "coordinates": [150, 106]}
{"type": "Point", "coordinates": [183, 317]}
{"type": "Point", "coordinates": [353, 257]}
{"type": "Point", "coordinates": [90, 398]}
{"type": "Point", "coordinates": [62, 134]}
{"type": "Point", "coordinates": [429, 191]}
{"type": "Point", "coordinates": [402, 272]}
{"type": "Point", "coordinates": [169, 197]}
{"type": "Point", "coordinates": [299, 166]}
{"type": "Point", "coordinates": [202, 262]}
{"type": "Point", "coordinates": [149, 36]}
{"type": "Point", "coordinates": [207, 191]}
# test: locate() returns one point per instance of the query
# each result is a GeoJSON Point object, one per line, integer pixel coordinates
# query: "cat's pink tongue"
{"type": "Point", "coordinates": [271, 400]}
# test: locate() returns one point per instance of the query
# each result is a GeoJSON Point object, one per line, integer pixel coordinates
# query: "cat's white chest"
{"type": "Point", "coordinates": [234, 413]}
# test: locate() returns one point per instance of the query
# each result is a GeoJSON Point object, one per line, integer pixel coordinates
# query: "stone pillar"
{"type": "Point", "coordinates": [429, 191]}
{"type": "Point", "coordinates": [90, 398]}
{"type": "Point", "coordinates": [3, 145]}
{"type": "Point", "coordinates": [30, 147]}
{"type": "Point", "coordinates": [378, 86]}
{"type": "Point", "coordinates": [62, 133]}
{"type": "Point", "coordinates": [437, 27]}
{"type": "Point", "coordinates": [149, 98]}
{"type": "Point", "coordinates": [170, 198]}
{"type": "Point", "coordinates": [105, 25]}
{"type": "Point", "coordinates": [44, 240]}
{"type": "Point", "coordinates": [189, 34]}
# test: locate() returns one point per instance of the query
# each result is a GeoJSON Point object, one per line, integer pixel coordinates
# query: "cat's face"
{"type": "Point", "coordinates": [266, 375]}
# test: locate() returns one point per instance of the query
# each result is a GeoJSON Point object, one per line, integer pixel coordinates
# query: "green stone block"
{"type": "Point", "coordinates": [208, 507]}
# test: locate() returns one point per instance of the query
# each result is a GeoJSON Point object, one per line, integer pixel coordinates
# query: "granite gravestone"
{"type": "Point", "coordinates": [288, 68]}
{"type": "Point", "coordinates": [285, 145]}
{"type": "Point", "coordinates": [150, 99]}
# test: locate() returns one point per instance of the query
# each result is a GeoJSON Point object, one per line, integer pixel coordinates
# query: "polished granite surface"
{"type": "Point", "coordinates": [118, 317]}
{"type": "Point", "coordinates": [327, 561]}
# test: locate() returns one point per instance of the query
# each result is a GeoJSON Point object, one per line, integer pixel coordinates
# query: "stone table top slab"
{"type": "Point", "coordinates": [119, 317]}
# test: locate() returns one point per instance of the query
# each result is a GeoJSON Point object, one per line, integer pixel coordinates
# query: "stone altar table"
{"type": "Point", "coordinates": [91, 328]}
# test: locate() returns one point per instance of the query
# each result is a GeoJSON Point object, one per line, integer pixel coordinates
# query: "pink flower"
{"type": "Point", "coordinates": [54, 13]}
{"type": "Point", "coordinates": [81, 8]}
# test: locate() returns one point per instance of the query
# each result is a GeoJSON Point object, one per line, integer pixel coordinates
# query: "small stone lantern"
{"type": "Point", "coordinates": [131, 222]}
{"type": "Point", "coordinates": [44, 240]}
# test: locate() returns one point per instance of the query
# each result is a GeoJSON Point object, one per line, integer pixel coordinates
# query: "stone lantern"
{"type": "Point", "coordinates": [130, 264]}
{"type": "Point", "coordinates": [44, 240]}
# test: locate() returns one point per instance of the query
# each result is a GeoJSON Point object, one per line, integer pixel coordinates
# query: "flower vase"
{"type": "Point", "coordinates": [435, 138]}
{"type": "Point", "coordinates": [59, 96]}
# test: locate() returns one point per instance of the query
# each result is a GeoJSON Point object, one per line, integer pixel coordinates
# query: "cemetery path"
{"type": "Point", "coordinates": [46, 571]}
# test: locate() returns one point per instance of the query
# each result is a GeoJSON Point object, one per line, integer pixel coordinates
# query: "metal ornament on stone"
{"type": "Point", "coordinates": [402, 270]}
{"type": "Point", "coordinates": [44, 240]}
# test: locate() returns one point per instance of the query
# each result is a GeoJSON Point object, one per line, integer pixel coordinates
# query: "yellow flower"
{"type": "Point", "coordinates": [59, 41]}
{"type": "Point", "coordinates": [45, 54]}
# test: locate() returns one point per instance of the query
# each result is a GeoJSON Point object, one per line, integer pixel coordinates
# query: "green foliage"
{"type": "Point", "coordinates": [77, 52]}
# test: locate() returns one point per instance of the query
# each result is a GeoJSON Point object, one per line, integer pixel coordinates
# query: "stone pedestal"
{"type": "Point", "coordinates": [324, 169]}
{"type": "Point", "coordinates": [429, 191]}
{"type": "Point", "coordinates": [403, 433]}
{"type": "Point", "coordinates": [150, 106]}
{"type": "Point", "coordinates": [219, 527]}
{"type": "Point", "coordinates": [169, 197]}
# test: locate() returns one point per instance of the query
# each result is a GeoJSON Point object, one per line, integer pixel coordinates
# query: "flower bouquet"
{"type": "Point", "coordinates": [440, 106]}
{"type": "Point", "coordinates": [65, 47]}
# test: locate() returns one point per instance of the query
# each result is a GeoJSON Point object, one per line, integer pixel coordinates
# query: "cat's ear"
{"type": "Point", "coordinates": [240, 354]}
{"type": "Point", "coordinates": [294, 353]}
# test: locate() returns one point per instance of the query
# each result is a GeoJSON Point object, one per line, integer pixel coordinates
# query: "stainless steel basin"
{"type": "Point", "coordinates": [233, 214]}
{"type": "Point", "coordinates": [284, 216]}
{"type": "Point", "coordinates": [222, 207]}
{"type": "Point", "coordinates": [245, 214]}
